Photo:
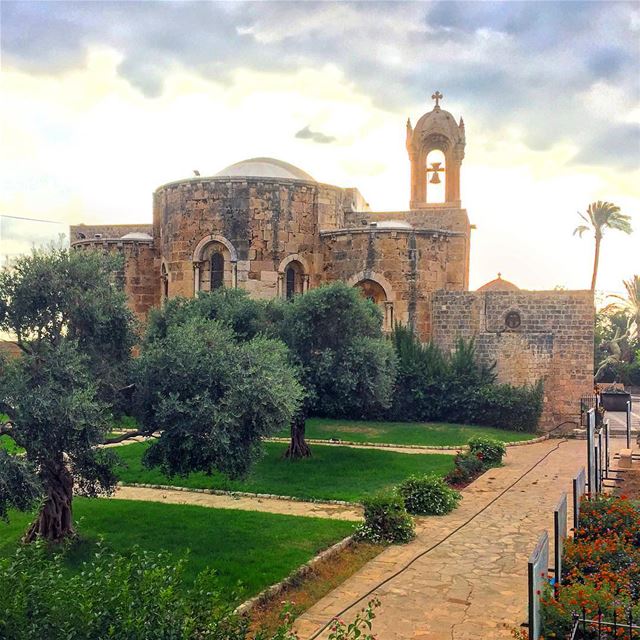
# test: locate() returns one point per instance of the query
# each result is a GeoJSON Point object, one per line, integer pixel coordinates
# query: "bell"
{"type": "Point", "coordinates": [435, 167]}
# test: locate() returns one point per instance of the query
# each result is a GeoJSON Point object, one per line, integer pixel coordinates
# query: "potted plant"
{"type": "Point", "coordinates": [615, 398]}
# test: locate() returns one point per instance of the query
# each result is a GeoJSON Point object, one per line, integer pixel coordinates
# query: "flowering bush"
{"type": "Point", "coordinates": [467, 467]}
{"type": "Point", "coordinates": [607, 515]}
{"type": "Point", "coordinates": [488, 450]}
{"type": "Point", "coordinates": [483, 453]}
{"type": "Point", "coordinates": [428, 495]}
{"type": "Point", "coordinates": [385, 520]}
{"type": "Point", "coordinates": [601, 567]}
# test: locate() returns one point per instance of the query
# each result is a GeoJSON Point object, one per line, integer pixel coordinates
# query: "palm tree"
{"type": "Point", "coordinates": [600, 216]}
{"type": "Point", "coordinates": [631, 304]}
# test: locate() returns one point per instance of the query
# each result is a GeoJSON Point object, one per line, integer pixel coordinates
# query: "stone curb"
{"type": "Point", "coordinates": [419, 447]}
{"type": "Point", "coordinates": [238, 494]}
{"type": "Point", "coordinates": [293, 578]}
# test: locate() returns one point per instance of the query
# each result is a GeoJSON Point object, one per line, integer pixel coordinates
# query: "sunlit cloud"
{"type": "Point", "coordinates": [103, 102]}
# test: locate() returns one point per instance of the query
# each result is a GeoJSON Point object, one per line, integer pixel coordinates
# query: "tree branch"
{"type": "Point", "coordinates": [125, 436]}
{"type": "Point", "coordinates": [6, 429]}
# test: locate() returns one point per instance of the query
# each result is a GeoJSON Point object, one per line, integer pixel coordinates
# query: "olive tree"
{"type": "Point", "coordinates": [69, 318]}
{"type": "Point", "coordinates": [213, 396]}
{"type": "Point", "coordinates": [208, 396]}
{"type": "Point", "coordinates": [347, 367]}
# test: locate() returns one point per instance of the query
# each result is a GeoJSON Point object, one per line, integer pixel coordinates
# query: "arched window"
{"type": "Point", "coordinates": [293, 277]}
{"type": "Point", "coordinates": [291, 282]}
{"type": "Point", "coordinates": [217, 270]}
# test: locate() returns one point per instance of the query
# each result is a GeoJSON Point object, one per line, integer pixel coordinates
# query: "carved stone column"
{"type": "Point", "coordinates": [234, 275]}
{"type": "Point", "coordinates": [196, 278]}
{"type": "Point", "coordinates": [388, 316]}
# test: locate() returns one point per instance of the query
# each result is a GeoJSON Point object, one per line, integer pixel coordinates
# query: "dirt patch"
{"type": "Point", "coordinates": [631, 485]}
{"type": "Point", "coordinates": [323, 578]}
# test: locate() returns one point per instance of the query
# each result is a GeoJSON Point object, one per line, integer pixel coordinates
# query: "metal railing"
{"type": "Point", "coordinates": [587, 402]}
{"type": "Point", "coordinates": [623, 627]}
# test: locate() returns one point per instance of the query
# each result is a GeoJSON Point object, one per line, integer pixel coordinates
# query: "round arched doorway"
{"type": "Point", "coordinates": [374, 291]}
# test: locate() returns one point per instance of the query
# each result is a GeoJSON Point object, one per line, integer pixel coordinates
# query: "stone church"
{"type": "Point", "coordinates": [268, 227]}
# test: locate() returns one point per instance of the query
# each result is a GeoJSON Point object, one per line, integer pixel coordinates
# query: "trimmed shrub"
{"type": "Point", "coordinates": [435, 386]}
{"type": "Point", "coordinates": [488, 450]}
{"type": "Point", "coordinates": [428, 495]}
{"type": "Point", "coordinates": [385, 520]}
{"type": "Point", "coordinates": [508, 407]}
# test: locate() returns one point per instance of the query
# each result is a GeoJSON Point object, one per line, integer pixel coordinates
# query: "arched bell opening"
{"type": "Point", "coordinates": [374, 291]}
{"type": "Point", "coordinates": [436, 177]}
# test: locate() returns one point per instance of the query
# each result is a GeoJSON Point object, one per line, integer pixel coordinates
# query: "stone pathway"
{"type": "Point", "coordinates": [473, 585]}
{"type": "Point", "coordinates": [267, 505]}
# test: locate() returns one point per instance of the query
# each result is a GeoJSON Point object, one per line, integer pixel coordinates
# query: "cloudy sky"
{"type": "Point", "coordinates": [104, 101]}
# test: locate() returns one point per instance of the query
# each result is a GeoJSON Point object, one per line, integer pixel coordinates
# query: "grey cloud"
{"type": "Point", "coordinates": [608, 61]}
{"type": "Point", "coordinates": [618, 145]}
{"type": "Point", "coordinates": [316, 136]}
{"type": "Point", "coordinates": [510, 63]}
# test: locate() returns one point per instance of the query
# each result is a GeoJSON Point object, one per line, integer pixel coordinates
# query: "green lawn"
{"type": "Point", "coordinates": [338, 473]}
{"type": "Point", "coordinates": [257, 549]}
{"type": "Point", "coordinates": [9, 445]}
{"type": "Point", "coordinates": [421, 433]}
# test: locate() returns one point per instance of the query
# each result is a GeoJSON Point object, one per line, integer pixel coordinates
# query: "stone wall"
{"type": "Point", "coordinates": [106, 231]}
{"type": "Point", "coordinates": [140, 274]}
{"type": "Point", "coordinates": [260, 225]}
{"type": "Point", "coordinates": [409, 265]}
{"type": "Point", "coordinates": [264, 222]}
{"type": "Point", "coordinates": [553, 340]}
{"type": "Point", "coordinates": [434, 218]}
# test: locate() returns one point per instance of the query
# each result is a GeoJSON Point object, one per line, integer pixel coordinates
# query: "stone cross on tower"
{"type": "Point", "coordinates": [436, 130]}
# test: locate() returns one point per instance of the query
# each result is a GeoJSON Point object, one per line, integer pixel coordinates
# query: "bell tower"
{"type": "Point", "coordinates": [436, 130]}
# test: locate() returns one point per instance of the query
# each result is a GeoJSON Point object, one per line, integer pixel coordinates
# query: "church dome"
{"type": "Point", "coordinates": [265, 168]}
{"type": "Point", "coordinates": [136, 235]}
{"type": "Point", "coordinates": [392, 224]}
{"type": "Point", "coordinates": [498, 284]}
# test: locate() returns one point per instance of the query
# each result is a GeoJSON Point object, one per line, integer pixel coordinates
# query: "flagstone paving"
{"type": "Point", "coordinates": [473, 584]}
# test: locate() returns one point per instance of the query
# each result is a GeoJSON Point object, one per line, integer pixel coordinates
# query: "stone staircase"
{"type": "Point", "coordinates": [618, 421]}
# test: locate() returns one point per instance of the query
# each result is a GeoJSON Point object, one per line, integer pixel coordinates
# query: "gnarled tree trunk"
{"type": "Point", "coordinates": [298, 447]}
{"type": "Point", "coordinates": [54, 522]}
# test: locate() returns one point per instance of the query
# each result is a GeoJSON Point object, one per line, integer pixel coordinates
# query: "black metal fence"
{"type": "Point", "coordinates": [621, 626]}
